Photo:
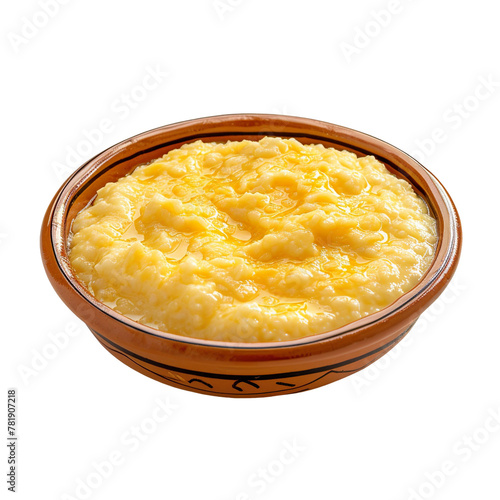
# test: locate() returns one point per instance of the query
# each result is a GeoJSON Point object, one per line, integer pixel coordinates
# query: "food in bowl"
{"type": "Point", "coordinates": [253, 241]}
{"type": "Point", "coordinates": [245, 369]}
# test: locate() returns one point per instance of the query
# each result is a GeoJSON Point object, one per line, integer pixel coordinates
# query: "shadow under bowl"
{"type": "Point", "coordinates": [238, 369]}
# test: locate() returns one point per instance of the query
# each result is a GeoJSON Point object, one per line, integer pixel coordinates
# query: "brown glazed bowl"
{"type": "Point", "coordinates": [238, 369]}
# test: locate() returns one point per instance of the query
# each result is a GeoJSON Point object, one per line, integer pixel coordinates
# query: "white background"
{"type": "Point", "coordinates": [381, 434]}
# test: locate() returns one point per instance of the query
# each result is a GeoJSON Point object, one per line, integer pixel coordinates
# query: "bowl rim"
{"type": "Point", "coordinates": [63, 198]}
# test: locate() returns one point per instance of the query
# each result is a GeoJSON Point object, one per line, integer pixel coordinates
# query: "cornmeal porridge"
{"type": "Point", "coordinates": [253, 241]}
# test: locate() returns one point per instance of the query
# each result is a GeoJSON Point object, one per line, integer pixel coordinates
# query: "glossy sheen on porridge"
{"type": "Point", "coordinates": [253, 241]}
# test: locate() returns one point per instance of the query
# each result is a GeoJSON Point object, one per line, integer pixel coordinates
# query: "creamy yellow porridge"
{"type": "Point", "coordinates": [253, 241]}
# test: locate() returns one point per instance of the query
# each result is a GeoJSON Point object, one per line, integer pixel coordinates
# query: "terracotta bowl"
{"type": "Point", "coordinates": [238, 369]}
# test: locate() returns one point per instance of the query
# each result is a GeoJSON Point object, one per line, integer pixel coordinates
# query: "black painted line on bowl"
{"type": "Point", "coordinates": [175, 381]}
{"type": "Point", "coordinates": [296, 388]}
{"type": "Point", "coordinates": [142, 366]}
{"type": "Point", "coordinates": [268, 376]}
{"type": "Point", "coordinates": [201, 382]}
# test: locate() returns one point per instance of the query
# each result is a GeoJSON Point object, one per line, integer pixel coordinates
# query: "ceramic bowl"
{"type": "Point", "coordinates": [238, 369]}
